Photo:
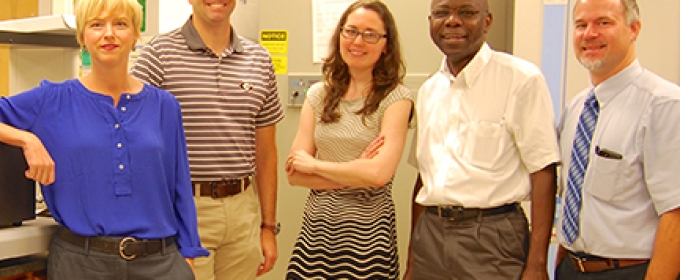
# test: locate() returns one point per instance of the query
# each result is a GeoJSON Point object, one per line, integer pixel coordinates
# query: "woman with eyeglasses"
{"type": "Point", "coordinates": [349, 142]}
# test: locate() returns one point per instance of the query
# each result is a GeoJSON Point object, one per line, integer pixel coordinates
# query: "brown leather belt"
{"type": "Point", "coordinates": [222, 188]}
{"type": "Point", "coordinates": [590, 263]}
{"type": "Point", "coordinates": [459, 213]}
{"type": "Point", "coordinates": [128, 248]}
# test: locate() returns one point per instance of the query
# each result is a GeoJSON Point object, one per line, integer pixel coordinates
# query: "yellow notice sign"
{"type": "Point", "coordinates": [275, 41]}
{"type": "Point", "coordinates": [280, 64]}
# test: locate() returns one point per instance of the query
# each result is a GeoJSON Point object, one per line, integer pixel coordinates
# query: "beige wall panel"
{"type": "Point", "coordinates": [12, 9]}
{"type": "Point", "coordinates": [4, 70]}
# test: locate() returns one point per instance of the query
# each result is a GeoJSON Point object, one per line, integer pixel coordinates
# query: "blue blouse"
{"type": "Point", "coordinates": [120, 171]}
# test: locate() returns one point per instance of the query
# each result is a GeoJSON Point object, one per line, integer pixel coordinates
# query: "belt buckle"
{"type": "Point", "coordinates": [227, 183]}
{"type": "Point", "coordinates": [121, 248]}
{"type": "Point", "coordinates": [579, 261]}
{"type": "Point", "coordinates": [213, 188]}
{"type": "Point", "coordinates": [456, 212]}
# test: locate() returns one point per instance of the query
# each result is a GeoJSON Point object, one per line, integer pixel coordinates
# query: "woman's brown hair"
{"type": "Point", "coordinates": [388, 72]}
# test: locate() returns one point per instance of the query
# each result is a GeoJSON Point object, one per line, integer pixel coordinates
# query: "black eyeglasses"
{"type": "Point", "coordinates": [367, 35]}
{"type": "Point", "coordinates": [462, 13]}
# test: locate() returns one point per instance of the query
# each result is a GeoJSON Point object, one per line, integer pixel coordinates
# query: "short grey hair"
{"type": "Point", "coordinates": [631, 10]}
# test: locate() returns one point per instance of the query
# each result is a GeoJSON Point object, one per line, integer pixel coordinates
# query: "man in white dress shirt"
{"type": "Point", "coordinates": [486, 141]}
{"type": "Point", "coordinates": [628, 225]}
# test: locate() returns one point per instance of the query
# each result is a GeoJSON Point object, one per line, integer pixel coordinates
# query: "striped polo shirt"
{"type": "Point", "coordinates": [224, 97]}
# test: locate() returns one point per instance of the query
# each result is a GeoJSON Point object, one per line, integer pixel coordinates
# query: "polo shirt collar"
{"type": "Point", "coordinates": [195, 42]}
{"type": "Point", "coordinates": [473, 70]}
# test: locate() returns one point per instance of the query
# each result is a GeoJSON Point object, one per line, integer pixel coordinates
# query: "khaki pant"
{"type": "Point", "coordinates": [230, 229]}
{"type": "Point", "coordinates": [488, 248]}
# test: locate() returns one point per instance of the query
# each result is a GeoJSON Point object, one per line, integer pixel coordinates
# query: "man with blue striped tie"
{"type": "Point", "coordinates": [620, 144]}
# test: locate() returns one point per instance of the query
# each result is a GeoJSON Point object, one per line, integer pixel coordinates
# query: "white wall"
{"type": "Point", "coordinates": [174, 13]}
{"type": "Point", "coordinates": [528, 30]}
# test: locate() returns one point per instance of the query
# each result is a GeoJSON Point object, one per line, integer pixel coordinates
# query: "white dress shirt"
{"type": "Point", "coordinates": [481, 134]}
{"type": "Point", "coordinates": [633, 174]}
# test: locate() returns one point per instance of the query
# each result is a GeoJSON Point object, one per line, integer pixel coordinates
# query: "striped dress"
{"type": "Point", "coordinates": [347, 233]}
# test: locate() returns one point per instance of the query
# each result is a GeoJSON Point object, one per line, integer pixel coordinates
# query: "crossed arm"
{"type": "Point", "coordinates": [373, 168]}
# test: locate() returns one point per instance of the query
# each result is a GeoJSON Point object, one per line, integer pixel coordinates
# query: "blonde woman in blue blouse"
{"type": "Point", "coordinates": [110, 155]}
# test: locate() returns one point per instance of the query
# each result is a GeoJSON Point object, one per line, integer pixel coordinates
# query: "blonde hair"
{"type": "Point", "coordinates": [86, 10]}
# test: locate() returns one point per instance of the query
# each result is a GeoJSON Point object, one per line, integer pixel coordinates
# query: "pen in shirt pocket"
{"type": "Point", "coordinates": [607, 153]}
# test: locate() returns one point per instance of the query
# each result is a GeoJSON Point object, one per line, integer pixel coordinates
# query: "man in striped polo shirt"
{"type": "Point", "coordinates": [226, 86]}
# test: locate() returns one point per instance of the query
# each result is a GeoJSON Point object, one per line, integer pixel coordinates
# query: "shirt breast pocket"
{"type": "Point", "coordinates": [483, 143]}
{"type": "Point", "coordinates": [604, 177]}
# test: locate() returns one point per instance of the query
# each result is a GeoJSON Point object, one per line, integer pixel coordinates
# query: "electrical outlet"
{"type": "Point", "coordinates": [298, 85]}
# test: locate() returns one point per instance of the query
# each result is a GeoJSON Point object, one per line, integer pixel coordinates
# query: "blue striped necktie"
{"type": "Point", "coordinates": [577, 167]}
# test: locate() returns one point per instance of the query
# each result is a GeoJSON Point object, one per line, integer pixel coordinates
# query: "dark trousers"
{"type": "Point", "coordinates": [567, 271]}
{"type": "Point", "coordinates": [68, 262]}
{"type": "Point", "coordinates": [488, 248]}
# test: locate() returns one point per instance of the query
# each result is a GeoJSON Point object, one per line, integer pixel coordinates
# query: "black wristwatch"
{"type": "Point", "coordinates": [275, 228]}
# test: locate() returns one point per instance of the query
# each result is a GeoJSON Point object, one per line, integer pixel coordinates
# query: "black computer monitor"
{"type": "Point", "coordinates": [17, 193]}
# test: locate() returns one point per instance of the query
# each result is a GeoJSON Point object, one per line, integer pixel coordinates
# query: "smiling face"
{"type": "Point", "coordinates": [108, 29]}
{"type": "Point", "coordinates": [109, 37]}
{"type": "Point", "coordinates": [356, 53]}
{"type": "Point", "coordinates": [458, 28]}
{"type": "Point", "coordinates": [604, 42]}
{"type": "Point", "coordinates": [213, 12]}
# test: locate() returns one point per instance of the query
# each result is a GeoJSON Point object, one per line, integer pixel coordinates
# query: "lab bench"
{"type": "Point", "coordinates": [23, 249]}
